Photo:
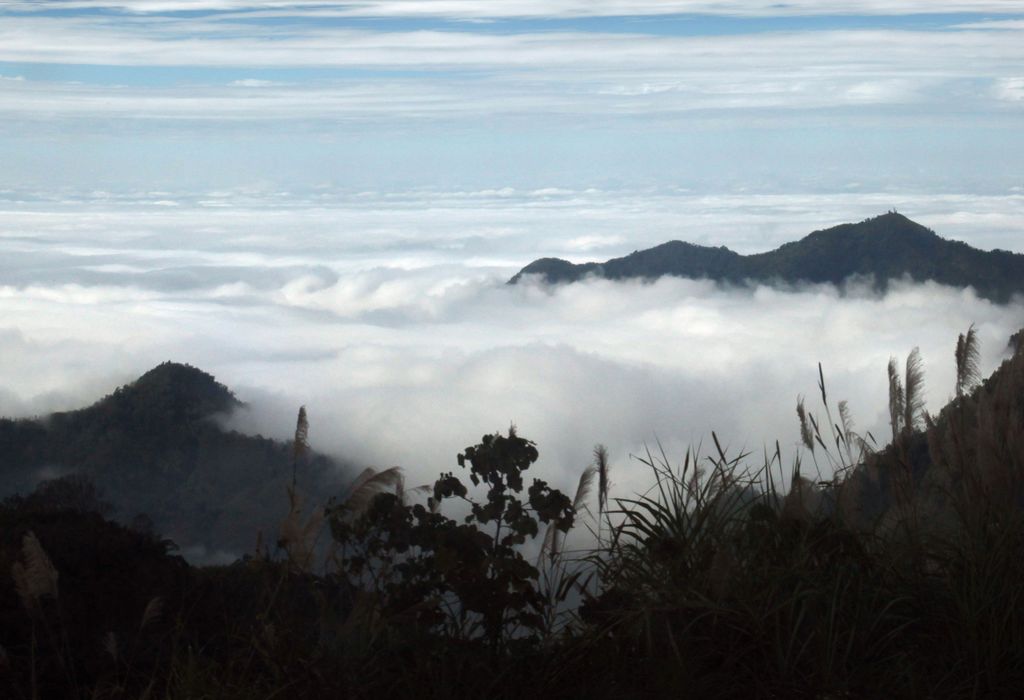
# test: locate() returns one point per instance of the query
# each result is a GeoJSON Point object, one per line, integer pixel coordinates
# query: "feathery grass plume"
{"type": "Point", "coordinates": [298, 539]}
{"type": "Point", "coordinates": [549, 546]}
{"type": "Point", "coordinates": [154, 607]}
{"type": "Point", "coordinates": [553, 535]}
{"type": "Point", "coordinates": [36, 577]}
{"type": "Point", "coordinates": [424, 489]}
{"type": "Point", "coordinates": [913, 391]}
{"type": "Point", "coordinates": [110, 646]}
{"type": "Point", "coordinates": [603, 482]}
{"type": "Point", "coordinates": [846, 419]}
{"type": "Point", "coordinates": [968, 357]}
{"type": "Point", "coordinates": [896, 400]}
{"type": "Point", "coordinates": [300, 447]}
{"type": "Point", "coordinates": [805, 429]}
{"type": "Point", "coordinates": [583, 488]}
{"type": "Point", "coordinates": [370, 483]}
{"type": "Point", "coordinates": [852, 439]}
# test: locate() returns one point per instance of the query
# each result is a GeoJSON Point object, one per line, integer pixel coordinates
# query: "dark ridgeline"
{"type": "Point", "coordinates": [886, 248]}
{"type": "Point", "coordinates": [155, 448]}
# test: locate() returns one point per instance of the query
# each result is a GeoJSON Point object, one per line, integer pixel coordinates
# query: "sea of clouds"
{"type": "Point", "coordinates": [387, 315]}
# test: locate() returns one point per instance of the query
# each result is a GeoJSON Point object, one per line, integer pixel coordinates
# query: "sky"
{"type": "Point", "coordinates": [319, 203]}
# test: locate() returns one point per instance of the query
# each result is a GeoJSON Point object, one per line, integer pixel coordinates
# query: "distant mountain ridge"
{"type": "Point", "coordinates": [885, 247]}
{"type": "Point", "coordinates": [154, 447]}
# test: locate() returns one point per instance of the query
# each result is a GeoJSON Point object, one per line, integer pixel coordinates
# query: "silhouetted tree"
{"type": "Point", "coordinates": [469, 576]}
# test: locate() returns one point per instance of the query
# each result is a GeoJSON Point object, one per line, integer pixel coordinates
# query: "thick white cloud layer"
{"type": "Point", "coordinates": [388, 317]}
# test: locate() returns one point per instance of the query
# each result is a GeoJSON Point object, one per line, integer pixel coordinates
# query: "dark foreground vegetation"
{"type": "Point", "coordinates": [899, 577]}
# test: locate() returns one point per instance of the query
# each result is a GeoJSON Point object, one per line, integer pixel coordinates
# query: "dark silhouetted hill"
{"type": "Point", "coordinates": [155, 447]}
{"type": "Point", "coordinates": [884, 248]}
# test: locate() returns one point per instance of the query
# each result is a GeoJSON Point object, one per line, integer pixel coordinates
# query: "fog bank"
{"type": "Point", "coordinates": [393, 325]}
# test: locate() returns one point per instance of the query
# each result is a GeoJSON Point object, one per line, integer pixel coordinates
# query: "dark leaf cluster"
{"type": "Point", "coordinates": [467, 577]}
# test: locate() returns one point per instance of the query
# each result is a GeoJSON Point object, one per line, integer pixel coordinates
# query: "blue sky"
{"type": "Point", "coordinates": [199, 94]}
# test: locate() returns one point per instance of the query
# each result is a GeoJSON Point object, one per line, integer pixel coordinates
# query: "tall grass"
{"type": "Point", "coordinates": [898, 576]}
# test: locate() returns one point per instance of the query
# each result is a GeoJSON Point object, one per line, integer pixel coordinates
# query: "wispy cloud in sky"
{"type": "Point", "coordinates": [569, 73]}
{"type": "Point", "coordinates": [586, 74]}
{"type": "Point", "coordinates": [529, 8]}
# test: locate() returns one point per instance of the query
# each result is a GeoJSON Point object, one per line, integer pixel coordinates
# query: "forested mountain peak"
{"type": "Point", "coordinates": [156, 446]}
{"type": "Point", "coordinates": [883, 248]}
{"type": "Point", "coordinates": [179, 390]}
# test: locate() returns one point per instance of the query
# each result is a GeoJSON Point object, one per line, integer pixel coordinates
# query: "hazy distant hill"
{"type": "Point", "coordinates": [152, 448]}
{"type": "Point", "coordinates": [886, 247]}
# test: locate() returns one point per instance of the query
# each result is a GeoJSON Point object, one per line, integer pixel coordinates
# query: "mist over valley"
{"type": "Point", "coordinates": [400, 366]}
{"type": "Point", "coordinates": [455, 350]}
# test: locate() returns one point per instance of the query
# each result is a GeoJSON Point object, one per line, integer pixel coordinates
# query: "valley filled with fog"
{"type": "Point", "coordinates": [388, 316]}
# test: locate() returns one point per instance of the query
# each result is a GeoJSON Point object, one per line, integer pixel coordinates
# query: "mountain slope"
{"type": "Point", "coordinates": [886, 247]}
{"type": "Point", "coordinates": [154, 447]}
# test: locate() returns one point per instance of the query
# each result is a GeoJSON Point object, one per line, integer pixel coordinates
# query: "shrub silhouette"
{"type": "Point", "coordinates": [101, 626]}
{"type": "Point", "coordinates": [468, 579]}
